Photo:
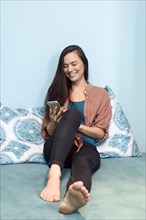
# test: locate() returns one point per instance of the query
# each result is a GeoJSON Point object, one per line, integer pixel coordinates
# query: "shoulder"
{"type": "Point", "coordinates": [96, 91]}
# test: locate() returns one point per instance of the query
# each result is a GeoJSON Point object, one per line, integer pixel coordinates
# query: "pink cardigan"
{"type": "Point", "coordinates": [97, 112]}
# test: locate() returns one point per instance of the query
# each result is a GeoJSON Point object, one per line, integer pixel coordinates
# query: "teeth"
{"type": "Point", "coordinates": [71, 74]}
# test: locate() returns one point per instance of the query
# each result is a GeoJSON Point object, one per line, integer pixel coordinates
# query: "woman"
{"type": "Point", "coordinates": [71, 134]}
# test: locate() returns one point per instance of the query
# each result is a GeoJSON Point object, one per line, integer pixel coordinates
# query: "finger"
{"type": "Point", "coordinates": [53, 112]}
{"type": "Point", "coordinates": [64, 110]}
{"type": "Point", "coordinates": [60, 112]}
{"type": "Point", "coordinates": [50, 111]}
{"type": "Point", "coordinates": [59, 116]}
{"type": "Point", "coordinates": [58, 120]}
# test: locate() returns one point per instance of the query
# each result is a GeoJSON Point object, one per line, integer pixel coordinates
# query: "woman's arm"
{"type": "Point", "coordinates": [94, 132]}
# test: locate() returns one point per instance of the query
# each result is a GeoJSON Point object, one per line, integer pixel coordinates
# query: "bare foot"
{"type": "Point", "coordinates": [76, 197]}
{"type": "Point", "coordinates": [51, 192]}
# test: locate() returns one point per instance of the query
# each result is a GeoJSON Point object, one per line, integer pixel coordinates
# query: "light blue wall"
{"type": "Point", "coordinates": [33, 33]}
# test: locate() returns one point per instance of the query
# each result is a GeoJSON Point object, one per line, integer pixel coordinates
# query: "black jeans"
{"type": "Point", "coordinates": [60, 149]}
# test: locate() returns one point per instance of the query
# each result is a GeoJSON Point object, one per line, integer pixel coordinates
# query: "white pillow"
{"type": "Point", "coordinates": [120, 141]}
{"type": "Point", "coordinates": [21, 139]}
{"type": "Point", "coordinates": [14, 151]}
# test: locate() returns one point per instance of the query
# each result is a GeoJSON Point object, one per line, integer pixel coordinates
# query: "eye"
{"type": "Point", "coordinates": [64, 66]}
{"type": "Point", "coordinates": [74, 63]}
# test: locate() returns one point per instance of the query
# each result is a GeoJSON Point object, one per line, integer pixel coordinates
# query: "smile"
{"type": "Point", "coordinates": [71, 74]}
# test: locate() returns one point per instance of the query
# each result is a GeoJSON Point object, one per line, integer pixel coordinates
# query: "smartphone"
{"type": "Point", "coordinates": [53, 104]}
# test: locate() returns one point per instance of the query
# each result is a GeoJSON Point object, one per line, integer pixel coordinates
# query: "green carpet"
{"type": "Point", "coordinates": [118, 192]}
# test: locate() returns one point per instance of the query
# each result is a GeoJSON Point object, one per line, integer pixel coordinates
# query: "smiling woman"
{"type": "Point", "coordinates": [71, 133]}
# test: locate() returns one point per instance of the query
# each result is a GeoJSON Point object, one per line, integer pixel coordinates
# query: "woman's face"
{"type": "Point", "coordinates": [73, 66]}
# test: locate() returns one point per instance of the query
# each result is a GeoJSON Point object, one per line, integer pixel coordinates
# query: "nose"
{"type": "Point", "coordinates": [70, 68]}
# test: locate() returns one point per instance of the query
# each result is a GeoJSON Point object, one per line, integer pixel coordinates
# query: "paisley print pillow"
{"type": "Point", "coordinates": [21, 139]}
{"type": "Point", "coordinates": [120, 141]}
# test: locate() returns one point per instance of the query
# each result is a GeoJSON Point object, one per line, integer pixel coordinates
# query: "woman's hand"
{"type": "Point", "coordinates": [55, 117]}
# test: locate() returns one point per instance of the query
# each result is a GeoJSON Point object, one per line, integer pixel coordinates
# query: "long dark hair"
{"type": "Point", "coordinates": [60, 87]}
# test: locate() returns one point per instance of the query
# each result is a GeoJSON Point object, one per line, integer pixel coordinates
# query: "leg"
{"type": "Point", "coordinates": [64, 136]}
{"type": "Point", "coordinates": [58, 146]}
{"type": "Point", "coordinates": [85, 162]}
{"type": "Point", "coordinates": [51, 192]}
{"type": "Point", "coordinates": [56, 150]}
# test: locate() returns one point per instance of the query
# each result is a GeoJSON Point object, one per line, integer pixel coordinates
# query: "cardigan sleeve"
{"type": "Point", "coordinates": [98, 109]}
{"type": "Point", "coordinates": [104, 113]}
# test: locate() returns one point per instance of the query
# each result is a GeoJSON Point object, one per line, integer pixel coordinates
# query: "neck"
{"type": "Point", "coordinates": [79, 85]}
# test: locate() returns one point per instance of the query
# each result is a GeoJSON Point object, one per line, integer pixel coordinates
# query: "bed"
{"type": "Point", "coordinates": [118, 188]}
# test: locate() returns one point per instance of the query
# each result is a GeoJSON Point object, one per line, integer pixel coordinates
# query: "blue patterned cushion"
{"type": "Point", "coordinates": [21, 139]}
{"type": "Point", "coordinates": [120, 141]}
{"type": "Point", "coordinates": [22, 142]}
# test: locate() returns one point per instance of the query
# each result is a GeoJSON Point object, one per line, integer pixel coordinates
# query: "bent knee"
{"type": "Point", "coordinates": [73, 113]}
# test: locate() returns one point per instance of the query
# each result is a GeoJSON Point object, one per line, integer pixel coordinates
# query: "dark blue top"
{"type": "Point", "coordinates": [80, 107]}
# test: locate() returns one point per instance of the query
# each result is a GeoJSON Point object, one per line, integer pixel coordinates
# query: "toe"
{"type": "Point", "coordinates": [42, 196]}
{"type": "Point", "coordinates": [84, 190]}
